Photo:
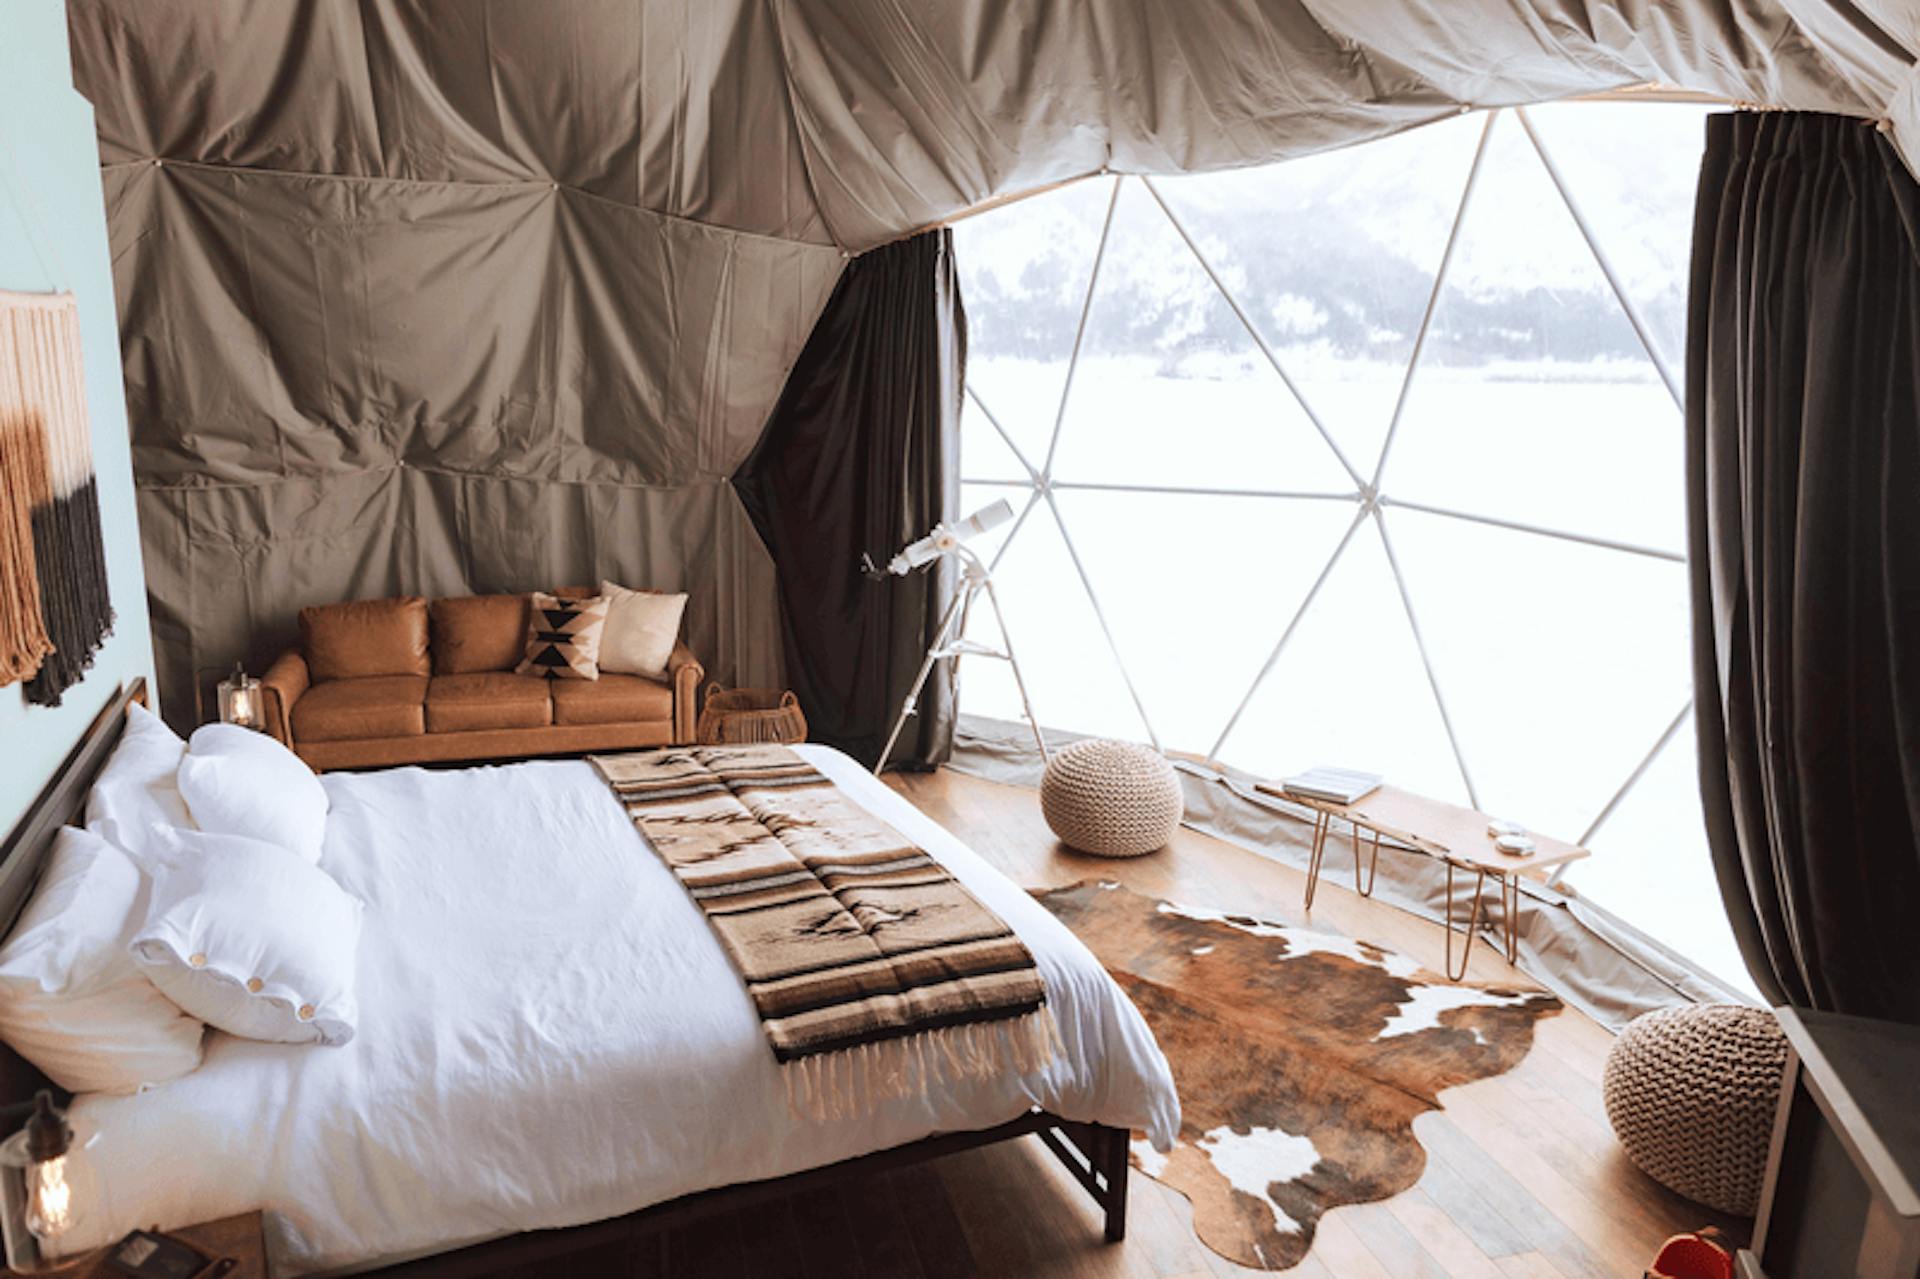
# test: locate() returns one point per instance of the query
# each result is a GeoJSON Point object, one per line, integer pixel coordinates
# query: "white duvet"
{"type": "Point", "coordinates": [549, 1035]}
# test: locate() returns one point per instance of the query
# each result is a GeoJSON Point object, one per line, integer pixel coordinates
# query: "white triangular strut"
{"type": "Point", "coordinates": [1368, 494]}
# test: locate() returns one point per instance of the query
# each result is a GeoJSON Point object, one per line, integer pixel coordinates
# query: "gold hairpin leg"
{"type": "Point", "coordinates": [1509, 918]}
{"type": "Point", "coordinates": [1510, 908]}
{"type": "Point", "coordinates": [1320, 823]}
{"type": "Point", "coordinates": [1473, 922]}
{"type": "Point", "coordinates": [1373, 863]}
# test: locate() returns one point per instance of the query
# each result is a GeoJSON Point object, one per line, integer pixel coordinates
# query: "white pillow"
{"type": "Point", "coordinates": [248, 939]}
{"type": "Point", "coordinates": [239, 782]}
{"type": "Point", "coordinates": [641, 630]}
{"type": "Point", "coordinates": [72, 1001]}
{"type": "Point", "coordinates": [137, 790]}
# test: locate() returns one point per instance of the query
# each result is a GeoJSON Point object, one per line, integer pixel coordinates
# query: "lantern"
{"type": "Point", "coordinates": [239, 698]}
{"type": "Point", "coordinates": [41, 1198]}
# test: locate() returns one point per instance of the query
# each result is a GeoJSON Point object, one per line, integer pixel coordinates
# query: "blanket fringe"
{"type": "Point", "coordinates": [823, 1087]}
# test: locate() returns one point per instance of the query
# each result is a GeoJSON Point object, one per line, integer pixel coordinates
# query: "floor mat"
{"type": "Point", "coordinates": [1302, 1058]}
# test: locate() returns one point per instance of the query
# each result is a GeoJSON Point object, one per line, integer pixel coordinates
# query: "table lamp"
{"type": "Point", "coordinates": [40, 1200]}
{"type": "Point", "coordinates": [239, 699]}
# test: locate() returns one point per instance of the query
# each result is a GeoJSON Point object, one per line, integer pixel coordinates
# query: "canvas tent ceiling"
{"type": "Point", "coordinates": [853, 122]}
{"type": "Point", "coordinates": [440, 297]}
{"type": "Point", "coordinates": [908, 113]}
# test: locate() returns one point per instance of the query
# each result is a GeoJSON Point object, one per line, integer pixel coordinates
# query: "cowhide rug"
{"type": "Point", "coordinates": [1301, 1057]}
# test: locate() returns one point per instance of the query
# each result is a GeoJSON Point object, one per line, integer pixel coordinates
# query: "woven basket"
{"type": "Point", "coordinates": [743, 716]}
{"type": "Point", "coordinates": [1115, 799]}
{"type": "Point", "coordinates": [1691, 1091]}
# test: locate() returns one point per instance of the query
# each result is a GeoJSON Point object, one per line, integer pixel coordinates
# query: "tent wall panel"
{"type": "Point", "coordinates": [230, 567]}
{"type": "Point", "coordinates": [649, 105]}
{"type": "Point", "coordinates": [364, 320]}
{"type": "Point", "coordinates": [350, 317]}
{"type": "Point", "coordinates": [343, 387]}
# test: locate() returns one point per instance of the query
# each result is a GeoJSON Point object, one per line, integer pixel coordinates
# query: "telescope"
{"type": "Point", "coordinates": [945, 538]}
{"type": "Point", "coordinates": [949, 637]}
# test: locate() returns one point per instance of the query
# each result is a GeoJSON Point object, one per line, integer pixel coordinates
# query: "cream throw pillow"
{"type": "Point", "coordinates": [642, 627]}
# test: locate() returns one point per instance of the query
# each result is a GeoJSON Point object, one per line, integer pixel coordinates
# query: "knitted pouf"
{"type": "Point", "coordinates": [1691, 1092]}
{"type": "Point", "coordinates": [1111, 798]}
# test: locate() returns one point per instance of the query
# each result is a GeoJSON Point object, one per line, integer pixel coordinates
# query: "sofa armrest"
{"type": "Point", "coordinates": [284, 681]}
{"type": "Point", "coordinates": [685, 673]}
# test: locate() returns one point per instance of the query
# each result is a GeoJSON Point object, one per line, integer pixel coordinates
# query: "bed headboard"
{"type": "Point", "coordinates": [62, 802]}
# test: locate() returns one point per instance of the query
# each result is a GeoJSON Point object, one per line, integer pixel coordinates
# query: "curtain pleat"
{"type": "Point", "coordinates": [1803, 444]}
{"type": "Point", "coordinates": [860, 457]}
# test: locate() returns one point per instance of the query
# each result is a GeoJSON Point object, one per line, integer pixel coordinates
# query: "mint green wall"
{"type": "Point", "coordinates": [50, 189]}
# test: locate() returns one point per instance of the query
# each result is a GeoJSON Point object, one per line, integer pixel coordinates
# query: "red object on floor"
{"type": "Point", "coordinates": [1693, 1256]}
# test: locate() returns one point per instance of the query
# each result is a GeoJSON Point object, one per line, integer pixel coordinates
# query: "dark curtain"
{"type": "Point", "coordinates": [860, 457]}
{"type": "Point", "coordinates": [1803, 459]}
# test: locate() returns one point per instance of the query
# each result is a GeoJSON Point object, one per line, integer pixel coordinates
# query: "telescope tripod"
{"type": "Point", "coordinates": [950, 640]}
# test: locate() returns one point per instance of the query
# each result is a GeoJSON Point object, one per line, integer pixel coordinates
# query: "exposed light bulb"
{"type": "Point", "coordinates": [49, 1198]}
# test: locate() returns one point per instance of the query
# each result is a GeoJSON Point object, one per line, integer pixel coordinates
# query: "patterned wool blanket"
{"type": "Point", "coordinates": [875, 972]}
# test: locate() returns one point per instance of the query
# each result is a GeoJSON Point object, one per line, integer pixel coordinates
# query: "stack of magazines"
{"type": "Point", "coordinates": [1338, 785]}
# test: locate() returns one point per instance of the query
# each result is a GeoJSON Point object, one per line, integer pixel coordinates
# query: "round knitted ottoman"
{"type": "Point", "coordinates": [1111, 798]}
{"type": "Point", "coordinates": [1691, 1092]}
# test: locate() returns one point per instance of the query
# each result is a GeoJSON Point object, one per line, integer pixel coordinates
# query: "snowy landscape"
{"type": "Point", "coordinates": [1532, 495]}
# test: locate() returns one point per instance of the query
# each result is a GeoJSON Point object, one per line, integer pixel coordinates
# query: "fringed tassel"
{"type": "Point", "coordinates": [25, 487]}
{"type": "Point", "coordinates": [42, 385]}
{"type": "Point", "coordinates": [825, 1087]}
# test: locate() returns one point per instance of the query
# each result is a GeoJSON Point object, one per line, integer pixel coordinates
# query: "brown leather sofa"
{"type": "Point", "coordinates": [376, 683]}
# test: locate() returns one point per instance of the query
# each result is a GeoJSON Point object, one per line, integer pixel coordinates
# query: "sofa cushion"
{"type": "Point", "coordinates": [487, 699]}
{"type": "Point", "coordinates": [611, 699]}
{"type": "Point", "coordinates": [365, 637]}
{"type": "Point", "coordinates": [375, 706]}
{"type": "Point", "coordinates": [642, 627]}
{"type": "Point", "coordinates": [478, 633]}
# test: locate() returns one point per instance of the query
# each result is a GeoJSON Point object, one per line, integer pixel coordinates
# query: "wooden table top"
{"type": "Point", "coordinates": [238, 1237]}
{"type": "Point", "coordinates": [1439, 829]}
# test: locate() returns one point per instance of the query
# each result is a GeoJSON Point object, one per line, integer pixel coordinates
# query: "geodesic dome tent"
{"type": "Point", "coordinates": [433, 298]}
{"type": "Point", "coordinates": [1426, 508]}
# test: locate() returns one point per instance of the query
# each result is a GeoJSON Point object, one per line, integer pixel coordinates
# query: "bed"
{"type": "Point", "coordinates": [549, 1035]}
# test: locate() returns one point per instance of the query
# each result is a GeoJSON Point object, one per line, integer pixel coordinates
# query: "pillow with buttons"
{"type": "Point", "coordinates": [250, 940]}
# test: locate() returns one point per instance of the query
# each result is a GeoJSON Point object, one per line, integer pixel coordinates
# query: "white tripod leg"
{"type": "Point", "coordinates": [940, 639]}
{"type": "Point", "coordinates": [1006, 643]}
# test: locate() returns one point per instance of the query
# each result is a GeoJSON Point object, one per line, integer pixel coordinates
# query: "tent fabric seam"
{"type": "Point", "coordinates": [460, 184]}
{"type": "Point", "coordinates": [776, 15]}
{"type": "Point", "coordinates": [223, 486]}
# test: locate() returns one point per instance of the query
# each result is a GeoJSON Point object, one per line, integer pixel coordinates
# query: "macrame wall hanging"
{"type": "Point", "coordinates": [55, 609]}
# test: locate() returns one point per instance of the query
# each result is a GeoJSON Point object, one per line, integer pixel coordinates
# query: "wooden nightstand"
{"type": "Point", "coordinates": [238, 1237]}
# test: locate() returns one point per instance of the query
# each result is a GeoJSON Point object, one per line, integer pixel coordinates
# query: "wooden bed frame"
{"type": "Point", "coordinates": [1096, 1155]}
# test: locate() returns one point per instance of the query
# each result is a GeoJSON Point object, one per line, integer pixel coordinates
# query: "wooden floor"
{"type": "Point", "coordinates": [1523, 1180]}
